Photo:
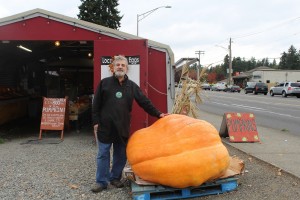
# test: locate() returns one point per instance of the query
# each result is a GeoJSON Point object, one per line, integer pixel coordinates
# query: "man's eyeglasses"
{"type": "Point", "coordinates": [119, 64]}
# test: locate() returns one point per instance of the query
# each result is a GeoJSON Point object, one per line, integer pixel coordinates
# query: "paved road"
{"type": "Point", "coordinates": [274, 112]}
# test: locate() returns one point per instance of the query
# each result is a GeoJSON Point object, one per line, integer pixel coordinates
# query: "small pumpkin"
{"type": "Point", "coordinates": [178, 151]}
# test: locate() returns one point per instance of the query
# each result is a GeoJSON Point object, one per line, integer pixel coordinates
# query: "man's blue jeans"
{"type": "Point", "coordinates": [103, 173]}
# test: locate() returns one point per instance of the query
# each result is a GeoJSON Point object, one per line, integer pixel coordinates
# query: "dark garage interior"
{"type": "Point", "coordinates": [31, 70]}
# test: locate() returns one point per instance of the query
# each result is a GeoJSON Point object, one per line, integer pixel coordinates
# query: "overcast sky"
{"type": "Point", "coordinates": [258, 28]}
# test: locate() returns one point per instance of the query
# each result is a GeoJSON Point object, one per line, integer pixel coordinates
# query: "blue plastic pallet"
{"type": "Point", "coordinates": [162, 192]}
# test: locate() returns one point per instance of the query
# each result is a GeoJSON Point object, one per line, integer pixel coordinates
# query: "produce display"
{"type": "Point", "coordinates": [10, 93]}
{"type": "Point", "coordinates": [178, 151]}
{"type": "Point", "coordinates": [82, 104]}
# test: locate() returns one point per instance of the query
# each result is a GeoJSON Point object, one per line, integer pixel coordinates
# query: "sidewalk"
{"type": "Point", "coordinates": [278, 148]}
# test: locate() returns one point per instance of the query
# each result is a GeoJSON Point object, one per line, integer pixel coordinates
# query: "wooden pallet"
{"type": "Point", "coordinates": [220, 186]}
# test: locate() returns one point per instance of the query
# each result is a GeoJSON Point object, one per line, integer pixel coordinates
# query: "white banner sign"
{"type": "Point", "coordinates": [133, 68]}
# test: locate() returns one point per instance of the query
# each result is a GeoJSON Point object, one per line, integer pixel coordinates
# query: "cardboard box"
{"type": "Point", "coordinates": [236, 167]}
{"type": "Point", "coordinates": [129, 174]}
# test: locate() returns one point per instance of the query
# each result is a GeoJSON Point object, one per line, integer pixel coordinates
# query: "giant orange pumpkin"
{"type": "Point", "coordinates": [178, 151]}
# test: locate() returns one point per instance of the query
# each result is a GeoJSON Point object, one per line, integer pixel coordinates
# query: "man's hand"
{"type": "Point", "coordinates": [163, 115]}
{"type": "Point", "coordinates": [95, 128]}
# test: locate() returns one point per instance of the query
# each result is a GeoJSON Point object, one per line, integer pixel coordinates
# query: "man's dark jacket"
{"type": "Point", "coordinates": [112, 105]}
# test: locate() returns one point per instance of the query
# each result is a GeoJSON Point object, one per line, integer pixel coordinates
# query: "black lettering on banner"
{"type": "Point", "coordinates": [132, 60]}
{"type": "Point", "coordinates": [106, 60]}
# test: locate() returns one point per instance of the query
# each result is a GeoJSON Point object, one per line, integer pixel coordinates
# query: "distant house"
{"type": "Point", "coordinates": [266, 75]}
{"type": "Point", "coordinates": [247, 76]}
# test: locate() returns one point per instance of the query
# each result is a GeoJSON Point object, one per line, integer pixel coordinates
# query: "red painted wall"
{"type": "Point", "coordinates": [139, 117]}
{"type": "Point", "coordinates": [157, 79]}
{"type": "Point", "coordinates": [40, 28]}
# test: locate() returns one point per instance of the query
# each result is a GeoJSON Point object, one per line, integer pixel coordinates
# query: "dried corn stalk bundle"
{"type": "Point", "coordinates": [190, 89]}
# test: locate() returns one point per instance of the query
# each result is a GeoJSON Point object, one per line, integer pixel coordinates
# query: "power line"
{"type": "Point", "coordinates": [270, 28]}
{"type": "Point", "coordinates": [214, 62]}
{"type": "Point", "coordinates": [260, 59]}
{"type": "Point", "coordinates": [265, 30]}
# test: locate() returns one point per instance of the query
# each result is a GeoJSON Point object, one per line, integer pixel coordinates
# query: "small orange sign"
{"type": "Point", "coordinates": [240, 127]}
{"type": "Point", "coordinates": [53, 114]}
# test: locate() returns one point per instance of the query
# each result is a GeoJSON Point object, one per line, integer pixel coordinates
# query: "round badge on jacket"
{"type": "Point", "coordinates": [119, 95]}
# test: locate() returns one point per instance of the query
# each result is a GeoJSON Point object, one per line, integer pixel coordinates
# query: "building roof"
{"type": "Point", "coordinates": [85, 25]}
{"type": "Point", "coordinates": [182, 61]}
{"type": "Point", "coordinates": [262, 68]}
{"type": "Point", "coordinates": [249, 73]}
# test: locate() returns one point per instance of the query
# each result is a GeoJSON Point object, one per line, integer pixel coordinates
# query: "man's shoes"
{"type": "Point", "coordinates": [117, 183]}
{"type": "Point", "coordinates": [98, 188]}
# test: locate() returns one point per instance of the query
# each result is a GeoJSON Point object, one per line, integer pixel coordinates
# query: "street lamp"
{"type": "Point", "coordinates": [144, 15]}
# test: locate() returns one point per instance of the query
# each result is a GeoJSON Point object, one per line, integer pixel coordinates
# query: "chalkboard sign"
{"type": "Point", "coordinates": [240, 127]}
{"type": "Point", "coordinates": [53, 115]}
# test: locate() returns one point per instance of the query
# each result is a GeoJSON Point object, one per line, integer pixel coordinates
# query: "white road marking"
{"type": "Point", "coordinates": [268, 100]}
{"type": "Point", "coordinates": [256, 109]}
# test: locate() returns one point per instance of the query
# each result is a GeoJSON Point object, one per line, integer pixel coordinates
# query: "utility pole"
{"type": "Point", "coordinates": [199, 53]}
{"type": "Point", "coordinates": [230, 64]}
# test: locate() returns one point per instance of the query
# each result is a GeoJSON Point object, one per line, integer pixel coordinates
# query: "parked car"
{"type": "Point", "coordinates": [214, 87]}
{"type": "Point", "coordinates": [220, 86]}
{"type": "Point", "coordinates": [233, 88]}
{"type": "Point", "coordinates": [256, 87]}
{"type": "Point", "coordinates": [205, 86]}
{"type": "Point", "coordinates": [249, 87]}
{"type": "Point", "coordinates": [286, 89]}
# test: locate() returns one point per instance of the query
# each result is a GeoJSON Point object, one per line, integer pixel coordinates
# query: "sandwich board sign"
{"type": "Point", "coordinates": [239, 127]}
{"type": "Point", "coordinates": [53, 115]}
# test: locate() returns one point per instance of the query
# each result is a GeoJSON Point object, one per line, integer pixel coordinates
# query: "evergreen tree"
{"type": "Point", "coordinates": [102, 12]}
{"type": "Point", "coordinates": [237, 64]}
{"type": "Point", "coordinates": [225, 66]}
{"type": "Point", "coordinates": [283, 61]}
{"type": "Point", "coordinates": [266, 62]}
{"type": "Point", "coordinates": [252, 63]}
{"type": "Point", "coordinates": [290, 60]}
{"type": "Point", "coordinates": [293, 61]}
{"type": "Point", "coordinates": [274, 64]}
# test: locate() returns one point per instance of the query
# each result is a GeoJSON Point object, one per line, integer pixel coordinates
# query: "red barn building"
{"type": "Point", "coordinates": [48, 54]}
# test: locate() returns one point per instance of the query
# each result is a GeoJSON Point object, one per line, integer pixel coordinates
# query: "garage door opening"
{"type": "Point", "coordinates": [31, 70]}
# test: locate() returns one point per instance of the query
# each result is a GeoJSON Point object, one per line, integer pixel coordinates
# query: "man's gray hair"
{"type": "Point", "coordinates": [117, 58]}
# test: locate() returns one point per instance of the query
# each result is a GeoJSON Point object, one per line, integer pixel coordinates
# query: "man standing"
{"type": "Point", "coordinates": [112, 106]}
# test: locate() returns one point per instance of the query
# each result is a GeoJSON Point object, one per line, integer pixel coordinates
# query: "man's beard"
{"type": "Point", "coordinates": [119, 73]}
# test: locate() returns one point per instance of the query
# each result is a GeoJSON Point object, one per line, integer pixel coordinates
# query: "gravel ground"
{"type": "Point", "coordinates": [66, 170]}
